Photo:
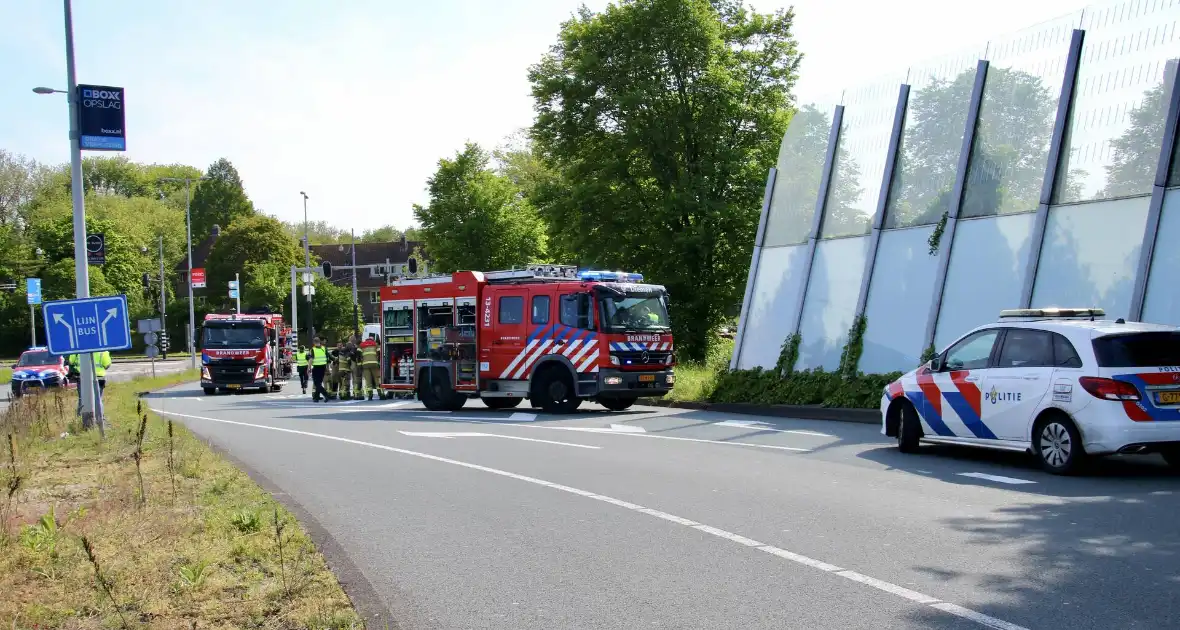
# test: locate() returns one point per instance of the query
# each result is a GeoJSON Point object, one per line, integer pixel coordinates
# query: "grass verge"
{"type": "Point", "coordinates": [145, 528]}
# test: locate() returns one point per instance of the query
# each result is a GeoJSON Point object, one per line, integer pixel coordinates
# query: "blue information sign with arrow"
{"type": "Point", "coordinates": [87, 325]}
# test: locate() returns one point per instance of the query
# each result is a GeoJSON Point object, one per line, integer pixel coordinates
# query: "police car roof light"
{"type": "Point", "coordinates": [1053, 312]}
{"type": "Point", "coordinates": [610, 276]}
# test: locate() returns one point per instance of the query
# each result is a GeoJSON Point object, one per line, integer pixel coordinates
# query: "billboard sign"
{"type": "Point", "coordinates": [101, 118]}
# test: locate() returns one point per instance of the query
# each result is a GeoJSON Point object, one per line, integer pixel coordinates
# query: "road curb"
{"type": "Point", "coordinates": [802, 412]}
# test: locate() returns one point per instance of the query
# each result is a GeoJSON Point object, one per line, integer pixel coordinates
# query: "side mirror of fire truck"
{"type": "Point", "coordinates": [327, 267]}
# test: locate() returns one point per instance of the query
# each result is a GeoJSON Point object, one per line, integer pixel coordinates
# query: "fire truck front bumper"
{"type": "Point", "coordinates": [620, 384]}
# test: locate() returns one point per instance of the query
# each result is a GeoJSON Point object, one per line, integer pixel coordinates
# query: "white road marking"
{"type": "Point", "coordinates": [980, 618]}
{"type": "Point", "coordinates": [661, 437]}
{"type": "Point", "coordinates": [507, 437]}
{"type": "Point", "coordinates": [614, 428]}
{"type": "Point", "coordinates": [764, 426]}
{"type": "Point", "coordinates": [888, 587]}
{"type": "Point", "coordinates": [996, 478]}
{"type": "Point", "coordinates": [949, 608]}
{"type": "Point", "coordinates": [523, 417]}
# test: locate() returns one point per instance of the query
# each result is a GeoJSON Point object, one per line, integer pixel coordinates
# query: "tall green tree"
{"type": "Point", "coordinates": [333, 311]}
{"type": "Point", "coordinates": [383, 234]}
{"type": "Point", "coordinates": [318, 232]}
{"type": "Point", "coordinates": [219, 200]}
{"type": "Point", "coordinates": [477, 218]}
{"type": "Point", "coordinates": [662, 117]}
{"type": "Point", "coordinates": [261, 252]}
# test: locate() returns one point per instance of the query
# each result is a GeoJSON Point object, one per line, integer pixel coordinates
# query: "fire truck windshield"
{"type": "Point", "coordinates": [234, 335]}
{"type": "Point", "coordinates": [633, 313]}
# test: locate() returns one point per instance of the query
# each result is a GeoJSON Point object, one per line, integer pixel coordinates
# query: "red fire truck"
{"type": "Point", "coordinates": [546, 333]}
{"type": "Point", "coordinates": [240, 351]}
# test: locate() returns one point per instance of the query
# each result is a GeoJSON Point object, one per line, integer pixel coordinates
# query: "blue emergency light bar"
{"type": "Point", "coordinates": [610, 276]}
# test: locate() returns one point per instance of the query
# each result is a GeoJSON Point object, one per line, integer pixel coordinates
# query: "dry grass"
{"type": "Point", "coordinates": [85, 544]}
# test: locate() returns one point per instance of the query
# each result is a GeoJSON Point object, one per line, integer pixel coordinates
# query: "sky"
{"type": "Point", "coordinates": [355, 101]}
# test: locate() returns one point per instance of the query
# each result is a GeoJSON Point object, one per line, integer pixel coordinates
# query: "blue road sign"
{"type": "Point", "coordinates": [233, 293]}
{"type": "Point", "coordinates": [33, 290]}
{"type": "Point", "coordinates": [87, 325]}
{"type": "Point", "coordinates": [233, 284]}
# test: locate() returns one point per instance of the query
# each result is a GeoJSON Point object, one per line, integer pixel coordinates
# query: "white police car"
{"type": "Point", "coordinates": [1063, 384]}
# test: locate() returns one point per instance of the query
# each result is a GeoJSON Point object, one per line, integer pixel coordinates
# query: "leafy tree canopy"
{"type": "Point", "coordinates": [219, 200]}
{"type": "Point", "coordinates": [662, 117]}
{"type": "Point", "coordinates": [477, 218]}
{"type": "Point", "coordinates": [256, 247]}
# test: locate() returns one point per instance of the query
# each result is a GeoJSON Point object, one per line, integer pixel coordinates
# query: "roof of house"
{"type": "Point", "coordinates": [366, 253]}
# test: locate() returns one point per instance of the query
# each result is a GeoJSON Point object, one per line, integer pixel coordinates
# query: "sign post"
{"type": "Point", "coordinates": [33, 293]}
{"type": "Point", "coordinates": [148, 328]}
{"type": "Point", "coordinates": [101, 117]}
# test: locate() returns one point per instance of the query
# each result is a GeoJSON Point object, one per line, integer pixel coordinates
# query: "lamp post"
{"type": "Point", "coordinates": [307, 264]}
{"type": "Point", "coordinates": [188, 221]}
{"type": "Point", "coordinates": [81, 268]}
{"type": "Point", "coordinates": [355, 315]}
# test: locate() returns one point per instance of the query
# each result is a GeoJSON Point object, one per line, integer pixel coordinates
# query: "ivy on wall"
{"type": "Point", "coordinates": [850, 355]}
{"type": "Point", "coordinates": [936, 236]}
{"type": "Point", "coordinates": [788, 355]}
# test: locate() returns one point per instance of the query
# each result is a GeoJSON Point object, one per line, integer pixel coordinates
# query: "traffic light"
{"type": "Point", "coordinates": [147, 282]}
{"type": "Point", "coordinates": [412, 264]}
{"type": "Point", "coordinates": [327, 266]}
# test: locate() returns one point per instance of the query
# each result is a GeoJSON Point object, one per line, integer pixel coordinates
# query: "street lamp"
{"type": "Point", "coordinates": [355, 316]}
{"type": "Point", "coordinates": [188, 220]}
{"type": "Point", "coordinates": [307, 264]}
{"type": "Point", "coordinates": [81, 268]}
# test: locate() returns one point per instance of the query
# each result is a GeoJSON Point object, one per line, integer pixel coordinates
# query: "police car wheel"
{"type": "Point", "coordinates": [1058, 445]}
{"type": "Point", "coordinates": [1172, 456]}
{"type": "Point", "coordinates": [909, 429]}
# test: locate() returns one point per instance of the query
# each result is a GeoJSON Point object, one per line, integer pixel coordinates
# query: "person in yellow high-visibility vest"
{"type": "Point", "coordinates": [102, 361]}
{"type": "Point", "coordinates": [319, 365]}
{"type": "Point", "coordinates": [301, 367]}
{"type": "Point", "coordinates": [370, 368]}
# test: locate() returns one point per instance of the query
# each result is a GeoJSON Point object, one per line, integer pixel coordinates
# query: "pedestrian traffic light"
{"type": "Point", "coordinates": [327, 266]}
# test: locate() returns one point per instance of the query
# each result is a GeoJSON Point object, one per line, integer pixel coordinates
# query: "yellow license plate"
{"type": "Point", "coordinates": [233, 386]}
{"type": "Point", "coordinates": [647, 378]}
{"type": "Point", "coordinates": [1169, 398]}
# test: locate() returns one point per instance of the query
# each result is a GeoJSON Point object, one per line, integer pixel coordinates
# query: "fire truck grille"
{"type": "Point", "coordinates": [637, 359]}
{"type": "Point", "coordinates": [232, 371]}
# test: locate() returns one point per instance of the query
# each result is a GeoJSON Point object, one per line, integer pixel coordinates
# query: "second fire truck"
{"type": "Point", "coordinates": [240, 351]}
{"type": "Point", "coordinates": [546, 333]}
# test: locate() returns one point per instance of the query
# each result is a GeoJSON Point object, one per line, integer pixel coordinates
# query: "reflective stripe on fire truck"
{"type": "Point", "coordinates": [625, 346]}
{"type": "Point", "coordinates": [579, 344]}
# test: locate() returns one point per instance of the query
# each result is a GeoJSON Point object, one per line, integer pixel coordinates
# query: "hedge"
{"type": "Point", "coordinates": [806, 387]}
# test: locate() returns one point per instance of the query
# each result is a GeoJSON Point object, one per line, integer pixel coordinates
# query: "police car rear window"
{"type": "Point", "coordinates": [1146, 349]}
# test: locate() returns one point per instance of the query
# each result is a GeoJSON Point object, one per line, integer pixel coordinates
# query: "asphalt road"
{"type": "Point", "coordinates": [662, 518]}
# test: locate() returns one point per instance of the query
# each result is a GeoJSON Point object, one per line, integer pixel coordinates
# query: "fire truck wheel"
{"type": "Point", "coordinates": [501, 403]}
{"type": "Point", "coordinates": [616, 404]}
{"type": "Point", "coordinates": [553, 391]}
{"type": "Point", "coordinates": [209, 391]}
{"type": "Point", "coordinates": [437, 394]}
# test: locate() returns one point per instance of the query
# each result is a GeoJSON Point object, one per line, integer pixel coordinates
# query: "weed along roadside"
{"type": "Point", "coordinates": [147, 528]}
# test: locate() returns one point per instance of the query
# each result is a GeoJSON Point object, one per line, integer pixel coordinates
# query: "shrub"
{"type": "Point", "coordinates": [807, 387]}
